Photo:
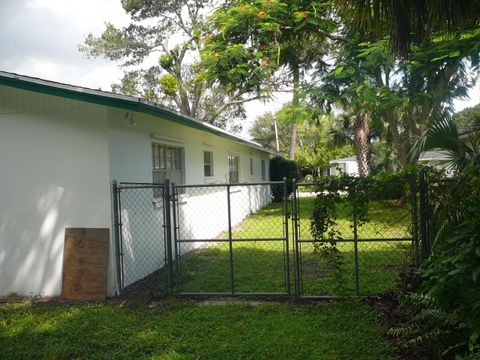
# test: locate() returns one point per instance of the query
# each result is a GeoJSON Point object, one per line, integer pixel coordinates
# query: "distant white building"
{"type": "Point", "coordinates": [436, 159]}
{"type": "Point", "coordinates": [346, 165]}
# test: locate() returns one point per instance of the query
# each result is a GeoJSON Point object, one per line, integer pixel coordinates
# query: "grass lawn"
{"type": "Point", "coordinates": [185, 330]}
{"type": "Point", "coordinates": [260, 266]}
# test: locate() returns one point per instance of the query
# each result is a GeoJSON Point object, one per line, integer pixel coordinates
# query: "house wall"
{"type": "Point", "coordinates": [347, 167]}
{"type": "Point", "coordinates": [202, 212]}
{"type": "Point", "coordinates": [57, 160]}
{"type": "Point", "coordinates": [54, 174]}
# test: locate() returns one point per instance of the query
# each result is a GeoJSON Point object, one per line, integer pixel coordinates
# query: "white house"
{"type": "Point", "coordinates": [61, 146]}
{"type": "Point", "coordinates": [349, 165]}
{"type": "Point", "coordinates": [346, 165]}
{"type": "Point", "coordinates": [437, 159]}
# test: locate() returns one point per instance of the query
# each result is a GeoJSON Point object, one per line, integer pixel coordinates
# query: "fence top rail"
{"type": "Point", "coordinates": [133, 185]}
{"type": "Point", "coordinates": [265, 183]}
{"type": "Point", "coordinates": [386, 181]}
{"type": "Point", "coordinates": [360, 239]}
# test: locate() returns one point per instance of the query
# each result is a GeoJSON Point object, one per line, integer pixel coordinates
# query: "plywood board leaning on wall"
{"type": "Point", "coordinates": [85, 262]}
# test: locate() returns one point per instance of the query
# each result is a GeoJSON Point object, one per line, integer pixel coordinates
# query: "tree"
{"type": "Point", "coordinates": [352, 85]}
{"type": "Point", "coordinates": [468, 118]}
{"type": "Point", "coordinates": [176, 81]}
{"type": "Point", "coordinates": [316, 144]}
{"type": "Point", "coordinates": [263, 132]}
{"type": "Point", "coordinates": [251, 41]}
{"type": "Point", "coordinates": [408, 22]}
{"type": "Point", "coordinates": [406, 96]}
{"type": "Point", "coordinates": [463, 152]}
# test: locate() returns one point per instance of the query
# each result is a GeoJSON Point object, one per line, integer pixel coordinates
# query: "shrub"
{"type": "Point", "coordinates": [281, 168]}
{"type": "Point", "coordinates": [446, 307]}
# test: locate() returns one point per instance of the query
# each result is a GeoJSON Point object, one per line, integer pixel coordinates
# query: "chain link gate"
{"type": "Point", "coordinates": [141, 238]}
{"type": "Point", "coordinates": [234, 240]}
{"type": "Point", "coordinates": [231, 240]}
{"type": "Point", "coordinates": [359, 256]}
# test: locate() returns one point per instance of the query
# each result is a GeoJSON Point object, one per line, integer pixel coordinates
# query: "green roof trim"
{"type": "Point", "coordinates": [130, 103]}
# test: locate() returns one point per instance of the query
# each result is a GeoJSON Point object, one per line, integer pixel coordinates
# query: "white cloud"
{"type": "Point", "coordinates": [473, 99]}
{"type": "Point", "coordinates": [46, 43]}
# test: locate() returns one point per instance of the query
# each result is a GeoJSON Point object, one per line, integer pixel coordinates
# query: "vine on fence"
{"type": "Point", "coordinates": [355, 194]}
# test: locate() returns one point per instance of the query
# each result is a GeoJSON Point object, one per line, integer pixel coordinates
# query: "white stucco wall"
{"type": "Point", "coordinates": [54, 174]}
{"type": "Point", "coordinates": [202, 212]}
{"type": "Point", "coordinates": [349, 167]}
{"type": "Point", "coordinates": [57, 160]}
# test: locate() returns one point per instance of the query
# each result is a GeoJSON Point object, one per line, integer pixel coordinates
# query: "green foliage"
{"type": "Point", "coordinates": [355, 195]}
{"type": "Point", "coordinates": [281, 168]}
{"type": "Point", "coordinates": [444, 135]}
{"type": "Point", "coordinates": [249, 41]}
{"type": "Point", "coordinates": [263, 132]}
{"type": "Point", "coordinates": [447, 305]}
{"type": "Point", "coordinates": [468, 118]}
{"type": "Point", "coordinates": [177, 81]}
{"type": "Point", "coordinates": [409, 22]}
{"type": "Point", "coordinates": [316, 147]}
{"type": "Point", "coordinates": [169, 84]}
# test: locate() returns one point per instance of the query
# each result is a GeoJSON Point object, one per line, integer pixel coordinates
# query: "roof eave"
{"type": "Point", "coordinates": [119, 101]}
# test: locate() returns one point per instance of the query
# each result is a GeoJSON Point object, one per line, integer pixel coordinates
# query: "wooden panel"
{"type": "Point", "coordinates": [85, 262]}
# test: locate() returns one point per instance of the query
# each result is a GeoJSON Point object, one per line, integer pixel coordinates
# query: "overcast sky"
{"type": "Point", "coordinates": [40, 38]}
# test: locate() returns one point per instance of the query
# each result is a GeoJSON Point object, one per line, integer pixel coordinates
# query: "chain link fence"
{"type": "Point", "coordinates": [142, 238]}
{"type": "Point", "coordinates": [359, 252]}
{"type": "Point", "coordinates": [257, 240]}
{"type": "Point", "coordinates": [231, 239]}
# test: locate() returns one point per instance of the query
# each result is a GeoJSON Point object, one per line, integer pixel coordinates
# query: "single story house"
{"type": "Point", "coordinates": [346, 165]}
{"type": "Point", "coordinates": [62, 146]}
{"type": "Point", "coordinates": [436, 159]}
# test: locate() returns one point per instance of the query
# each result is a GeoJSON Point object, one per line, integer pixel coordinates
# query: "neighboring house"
{"type": "Point", "coordinates": [436, 159]}
{"type": "Point", "coordinates": [346, 165]}
{"type": "Point", "coordinates": [349, 166]}
{"type": "Point", "coordinates": [61, 146]}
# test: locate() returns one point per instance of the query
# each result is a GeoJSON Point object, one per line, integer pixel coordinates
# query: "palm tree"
{"type": "Point", "coordinates": [463, 150]}
{"type": "Point", "coordinates": [409, 21]}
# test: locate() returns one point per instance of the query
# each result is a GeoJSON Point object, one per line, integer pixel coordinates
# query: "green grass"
{"type": "Point", "coordinates": [338, 330]}
{"type": "Point", "coordinates": [260, 266]}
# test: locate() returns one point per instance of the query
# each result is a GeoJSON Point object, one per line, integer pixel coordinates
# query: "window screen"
{"type": "Point", "coordinates": [208, 163]}
{"type": "Point", "coordinates": [233, 170]}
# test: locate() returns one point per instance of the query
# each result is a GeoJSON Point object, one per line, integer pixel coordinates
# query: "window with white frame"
{"type": "Point", "coordinates": [251, 166]}
{"type": "Point", "coordinates": [208, 163]}
{"type": "Point", "coordinates": [168, 163]}
{"type": "Point", "coordinates": [264, 170]}
{"type": "Point", "coordinates": [233, 169]}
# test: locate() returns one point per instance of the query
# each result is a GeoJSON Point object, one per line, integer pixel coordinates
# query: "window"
{"type": "Point", "coordinates": [233, 175]}
{"type": "Point", "coordinates": [167, 164]}
{"type": "Point", "coordinates": [264, 170]}
{"type": "Point", "coordinates": [251, 166]}
{"type": "Point", "coordinates": [208, 163]}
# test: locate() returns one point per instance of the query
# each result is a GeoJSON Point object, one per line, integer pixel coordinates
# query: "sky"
{"type": "Point", "coordinates": [40, 38]}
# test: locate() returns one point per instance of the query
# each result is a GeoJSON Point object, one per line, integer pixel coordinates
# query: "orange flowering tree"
{"type": "Point", "coordinates": [251, 42]}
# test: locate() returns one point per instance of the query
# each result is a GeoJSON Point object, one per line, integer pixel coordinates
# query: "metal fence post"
{"type": "Point", "coordinates": [295, 220]}
{"type": "Point", "coordinates": [355, 244]}
{"type": "Point", "coordinates": [176, 229]}
{"type": "Point", "coordinates": [117, 236]}
{"type": "Point", "coordinates": [287, 248]}
{"type": "Point", "coordinates": [168, 227]}
{"type": "Point", "coordinates": [422, 183]}
{"type": "Point", "coordinates": [415, 221]}
{"type": "Point", "coordinates": [230, 243]}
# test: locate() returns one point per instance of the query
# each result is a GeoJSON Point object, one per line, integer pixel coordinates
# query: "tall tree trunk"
{"type": "Point", "coordinates": [293, 128]}
{"type": "Point", "coordinates": [361, 130]}
{"type": "Point", "coordinates": [398, 141]}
